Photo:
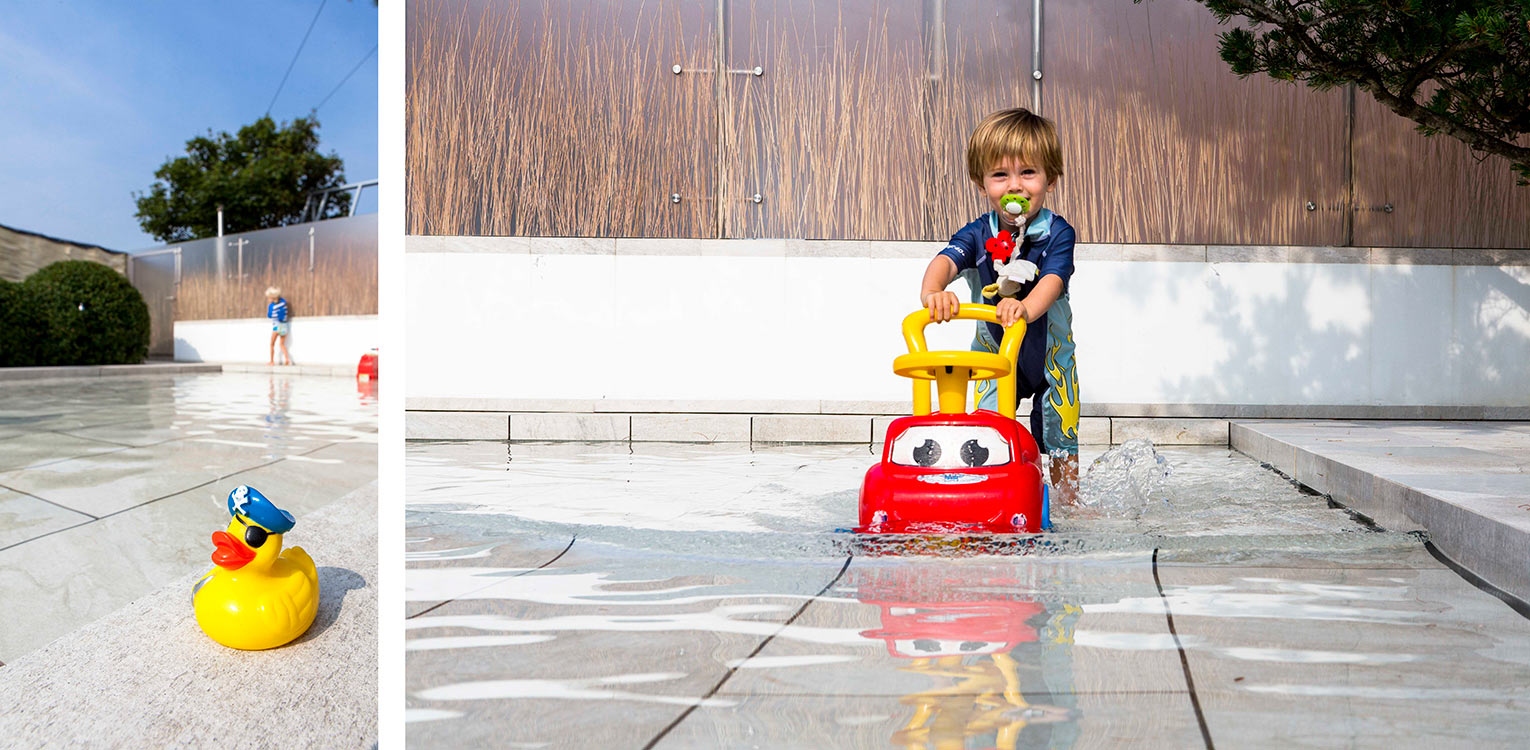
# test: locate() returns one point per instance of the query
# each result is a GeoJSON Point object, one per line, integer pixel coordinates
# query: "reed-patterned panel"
{"type": "Point", "coordinates": [1441, 194]}
{"type": "Point", "coordinates": [830, 135]}
{"type": "Point", "coordinates": [558, 119]}
{"type": "Point", "coordinates": [979, 57]}
{"type": "Point", "coordinates": [1165, 145]}
{"type": "Point", "coordinates": [335, 274]}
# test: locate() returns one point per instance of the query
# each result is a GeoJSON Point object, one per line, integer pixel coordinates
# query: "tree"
{"type": "Point", "coordinates": [1458, 67]}
{"type": "Point", "coordinates": [261, 177]}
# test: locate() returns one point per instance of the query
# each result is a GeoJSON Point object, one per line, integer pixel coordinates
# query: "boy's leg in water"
{"type": "Point", "coordinates": [1060, 402]}
{"type": "Point", "coordinates": [271, 358]}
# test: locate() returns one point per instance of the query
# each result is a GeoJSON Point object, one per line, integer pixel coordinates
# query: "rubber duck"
{"type": "Point", "coordinates": [258, 596]}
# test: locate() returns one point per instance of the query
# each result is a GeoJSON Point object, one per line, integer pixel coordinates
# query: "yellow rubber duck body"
{"type": "Point", "coordinates": [258, 596]}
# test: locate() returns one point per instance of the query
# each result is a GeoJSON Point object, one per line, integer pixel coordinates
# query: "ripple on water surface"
{"type": "Point", "coordinates": [615, 588]}
{"type": "Point", "coordinates": [791, 501]}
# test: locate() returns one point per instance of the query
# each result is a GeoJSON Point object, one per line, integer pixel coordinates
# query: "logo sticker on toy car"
{"type": "Point", "coordinates": [952, 478]}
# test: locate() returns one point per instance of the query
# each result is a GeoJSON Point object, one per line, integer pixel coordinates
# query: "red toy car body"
{"type": "Point", "coordinates": [952, 471]}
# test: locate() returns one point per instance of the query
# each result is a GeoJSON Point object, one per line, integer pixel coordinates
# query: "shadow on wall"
{"type": "Point", "coordinates": [1495, 356]}
{"type": "Point", "coordinates": [1347, 334]}
{"type": "Point", "coordinates": [185, 352]}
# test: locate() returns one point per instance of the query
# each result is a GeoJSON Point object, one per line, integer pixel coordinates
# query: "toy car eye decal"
{"type": "Point", "coordinates": [973, 453]}
{"type": "Point", "coordinates": [928, 453]}
{"type": "Point", "coordinates": [950, 447]}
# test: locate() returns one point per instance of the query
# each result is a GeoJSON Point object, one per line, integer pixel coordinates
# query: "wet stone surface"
{"type": "Point", "coordinates": [563, 595]}
{"type": "Point", "coordinates": [111, 487]}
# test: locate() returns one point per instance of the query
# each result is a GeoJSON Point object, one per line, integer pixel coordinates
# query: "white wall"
{"type": "Point", "coordinates": [522, 325]}
{"type": "Point", "coordinates": [331, 340]}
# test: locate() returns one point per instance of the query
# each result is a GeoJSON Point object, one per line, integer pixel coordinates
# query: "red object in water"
{"type": "Point", "coordinates": [367, 367]}
{"type": "Point", "coordinates": [962, 470]}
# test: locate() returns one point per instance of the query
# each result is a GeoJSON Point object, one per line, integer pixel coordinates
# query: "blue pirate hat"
{"type": "Point", "coordinates": [247, 502]}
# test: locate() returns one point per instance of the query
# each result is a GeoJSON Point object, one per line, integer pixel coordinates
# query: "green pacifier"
{"type": "Point", "coordinates": [1015, 204]}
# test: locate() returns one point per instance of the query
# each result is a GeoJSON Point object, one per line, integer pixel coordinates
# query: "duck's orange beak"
{"type": "Point", "coordinates": [231, 553]}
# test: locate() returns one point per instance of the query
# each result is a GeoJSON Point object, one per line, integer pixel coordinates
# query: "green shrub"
{"type": "Point", "coordinates": [21, 328]}
{"type": "Point", "coordinates": [92, 315]}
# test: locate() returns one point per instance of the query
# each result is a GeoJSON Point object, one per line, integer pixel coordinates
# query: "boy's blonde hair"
{"type": "Point", "coordinates": [1017, 133]}
{"type": "Point", "coordinates": [273, 291]}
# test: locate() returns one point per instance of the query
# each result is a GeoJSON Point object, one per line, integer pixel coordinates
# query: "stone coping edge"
{"type": "Point", "coordinates": [98, 371]}
{"type": "Point", "coordinates": [19, 374]}
{"type": "Point", "coordinates": [884, 249]}
{"type": "Point", "coordinates": [1488, 546]}
{"type": "Point", "coordinates": [899, 408]}
{"type": "Point", "coordinates": [755, 429]}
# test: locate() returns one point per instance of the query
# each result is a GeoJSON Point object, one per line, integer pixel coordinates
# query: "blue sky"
{"type": "Point", "coordinates": [99, 94]}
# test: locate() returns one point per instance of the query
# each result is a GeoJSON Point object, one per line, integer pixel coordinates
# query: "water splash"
{"type": "Point", "coordinates": [1126, 481]}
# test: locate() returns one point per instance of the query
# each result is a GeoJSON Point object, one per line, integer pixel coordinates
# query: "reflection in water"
{"type": "Point", "coordinates": [366, 388]}
{"type": "Point", "coordinates": [706, 561]}
{"type": "Point", "coordinates": [983, 646]}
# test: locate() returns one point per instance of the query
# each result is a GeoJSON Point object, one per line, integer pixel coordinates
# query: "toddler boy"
{"type": "Point", "coordinates": [1014, 151]}
{"type": "Point", "coordinates": [276, 312]}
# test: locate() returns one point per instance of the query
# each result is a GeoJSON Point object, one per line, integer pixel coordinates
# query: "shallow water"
{"type": "Point", "coordinates": [696, 596]}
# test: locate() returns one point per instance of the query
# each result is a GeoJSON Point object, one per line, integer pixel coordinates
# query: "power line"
{"type": "Point", "coordinates": [346, 78]}
{"type": "Point", "coordinates": [295, 55]}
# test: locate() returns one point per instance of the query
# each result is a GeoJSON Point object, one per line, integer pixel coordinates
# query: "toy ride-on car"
{"type": "Point", "coordinates": [951, 470]}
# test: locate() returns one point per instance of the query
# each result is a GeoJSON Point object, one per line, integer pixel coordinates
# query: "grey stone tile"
{"type": "Point", "coordinates": [141, 433]}
{"type": "Point", "coordinates": [876, 408]}
{"type": "Point", "coordinates": [1093, 431]}
{"type": "Point", "coordinates": [695, 248]}
{"type": "Point", "coordinates": [457, 403]}
{"type": "Point", "coordinates": [707, 406]}
{"type": "Point", "coordinates": [1170, 431]}
{"type": "Point", "coordinates": [795, 248]}
{"type": "Point", "coordinates": [1492, 257]}
{"type": "Point", "coordinates": [40, 373]}
{"type": "Point", "coordinates": [1249, 440]}
{"type": "Point", "coordinates": [1248, 254]}
{"type": "Point", "coordinates": [572, 246]}
{"type": "Point", "coordinates": [571, 427]}
{"type": "Point", "coordinates": [691, 428]}
{"type": "Point", "coordinates": [1412, 256]}
{"type": "Point", "coordinates": [1114, 720]}
{"type": "Point", "coordinates": [1168, 253]}
{"type": "Point", "coordinates": [1360, 675]}
{"type": "Point", "coordinates": [37, 448]}
{"type": "Point", "coordinates": [904, 250]}
{"type": "Point", "coordinates": [1326, 254]}
{"type": "Point", "coordinates": [466, 244]}
{"type": "Point", "coordinates": [809, 428]}
{"type": "Point", "coordinates": [470, 656]}
{"type": "Point", "coordinates": [1095, 251]}
{"type": "Point", "coordinates": [109, 482]}
{"type": "Point", "coordinates": [23, 517]}
{"type": "Point", "coordinates": [456, 425]}
{"type": "Point", "coordinates": [431, 546]}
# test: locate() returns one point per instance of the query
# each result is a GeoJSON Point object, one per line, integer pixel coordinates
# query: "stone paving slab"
{"type": "Point", "coordinates": [24, 517]}
{"type": "Point", "coordinates": [574, 643]}
{"type": "Point", "coordinates": [1466, 483]}
{"type": "Point", "coordinates": [1383, 642]}
{"type": "Point", "coordinates": [71, 573]}
{"type": "Point", "coordinates": [97, 371]}
{"type": "Point", "coordinates": [146, 675]}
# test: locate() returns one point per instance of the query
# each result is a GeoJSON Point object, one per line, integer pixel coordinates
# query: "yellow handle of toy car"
{"type": "Point", "coordinates": [953, 391]}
